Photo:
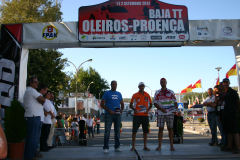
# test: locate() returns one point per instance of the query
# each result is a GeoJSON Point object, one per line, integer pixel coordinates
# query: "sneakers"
{"type": "Point", "coordinates": [38, 155]}
{"type": "Point", "coordinates": [118, 149]}
{"type": "Point", "coordinates": [105, 150]}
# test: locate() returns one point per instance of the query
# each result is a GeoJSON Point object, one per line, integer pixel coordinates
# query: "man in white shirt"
{"type": "Point", "coordinates": [211, 116]}
{"type": "Point", "coordinates": [50, 137]}
{"type": "Point", "coordinates": [90, 125]}
{"type": "Point", "coordinates": [33, 102]}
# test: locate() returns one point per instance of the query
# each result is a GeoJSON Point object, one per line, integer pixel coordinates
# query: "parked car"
{"type": "Point", "coordinates": [124, 110]}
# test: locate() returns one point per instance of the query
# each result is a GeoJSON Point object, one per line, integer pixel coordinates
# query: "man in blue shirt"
{"type": "Point", "coordinates": [111, 101]}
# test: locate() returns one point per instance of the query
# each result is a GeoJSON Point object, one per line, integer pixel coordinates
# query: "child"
{"type": "Point", "coordinates": [74, 127]}
{"type": "Point", "coordinates": [180, 125]}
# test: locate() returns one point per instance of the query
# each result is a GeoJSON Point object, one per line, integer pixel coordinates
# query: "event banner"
{"type": "Point", "coordinates": [133, 20]}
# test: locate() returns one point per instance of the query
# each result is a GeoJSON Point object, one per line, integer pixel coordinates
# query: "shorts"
{"type": "Point", "coordinates": [137, 120]}
{"type": "Point", "coordinates": [161, 119]}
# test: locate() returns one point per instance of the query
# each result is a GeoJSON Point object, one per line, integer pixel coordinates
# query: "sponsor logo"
{"type": "Point", "coordinates": [112, 38]}
{"type": "Point", "coordinates": [123, 38]}
{"type": "Point", "coordinates": [168, 94]}
{"type": "Point", "coordinates": [94, 38]}
{"type": "Point", "coordinates": [50, 33]}
{"type": "Point", "coordinates": [114, 96]}
{"type": "Point", "coordinates": [181, 37]}
{"type": "Point", "coordinates": [170, 37]}
{"type": "Point", "coordinates": [202, 31]}
{"type": "Point", "coordinates": [84, 37]}
{"type": "Point", "coordinates": [227, 31]}
{"type": "Point", "coordinates": [156, 37]}
{"type": "Point", "coordinates": [133, 37]}
{"type": "Point", "coordinates": [143, 37]}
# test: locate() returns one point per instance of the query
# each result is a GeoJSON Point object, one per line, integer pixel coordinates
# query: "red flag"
{"type": "Point", "coordinates": [218, 81]}
{"type": "Point", "coordinates": [197, 84]}
{"type": "Point", "coordinates": [232, 71]}
{"type": "Point", "coordinates": [188, 89]}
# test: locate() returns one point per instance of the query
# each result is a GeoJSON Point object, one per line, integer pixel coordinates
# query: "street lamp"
{"type": "Point", "coordinates": [218, 68]}
{"type": "Point", "coordinates": [214, 82]}
{"type": "Point", "coordinates": [150, 90]}
{"type": "Point", "coordinates": [99, 95]}
{"type": "Point", "coordinates": [87, 97]}
{"type": "Point", "coordinates": [77, 69]}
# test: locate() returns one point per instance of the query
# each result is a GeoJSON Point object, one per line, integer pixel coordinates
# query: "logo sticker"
{"type": "Point", "coordinates": [84, 37]}
{"type": "Point", "coordinates": [181, 37]}
{"type": "Point", "coordinates": [50, 33]}
{"type": "Point", "coordinates": [227, 31]}
{"type": "Point", "coordinates": [112, 37]}
{"type": "Point", "coordinates": [156, 37]}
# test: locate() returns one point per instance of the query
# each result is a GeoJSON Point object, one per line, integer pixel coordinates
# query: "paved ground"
{"type": "Point", "coordinates": [195, 146]}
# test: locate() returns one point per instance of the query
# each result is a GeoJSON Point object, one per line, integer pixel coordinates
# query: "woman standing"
{"type": "Point", "coordinates": [48, 112]}
{"type": "Point", "coordinates": [98, 125]}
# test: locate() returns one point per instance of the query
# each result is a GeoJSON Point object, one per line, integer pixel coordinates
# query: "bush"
{"type": "Point", "coordinates": [14, 122]}
{"type": "Point", "coordinates": [200, 119]}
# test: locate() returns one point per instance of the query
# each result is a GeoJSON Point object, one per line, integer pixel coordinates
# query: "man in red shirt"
{"type": "Point", "coordinates": [140, 103]}
{"type": "Point", "coordinates": [166, 103]}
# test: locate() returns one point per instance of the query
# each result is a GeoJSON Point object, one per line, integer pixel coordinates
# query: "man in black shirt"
{"type": "Point", "coordinates": [218, 90]}
{"type": "Point", "coordinates": [231, 105]}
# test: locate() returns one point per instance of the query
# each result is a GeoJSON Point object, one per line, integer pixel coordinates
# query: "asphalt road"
{"type": "Point", "coordinates": [126, 135]}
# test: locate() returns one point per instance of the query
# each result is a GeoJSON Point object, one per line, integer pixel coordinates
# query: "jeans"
{"type": "Point", "coordinates": [31, 141]}
{"type": "Point", "coordinates": [98, 130]}
{"type": "Point", "coordinates": [213, 126]}
{"type": "Point", "coordinates": [223, 140]}
{"type": "Point", "coordinates": [90, 129]}
{"type": "Point", "coordinates": [39, 135]}
{"type": "Point", "coordinates": [109, 119]}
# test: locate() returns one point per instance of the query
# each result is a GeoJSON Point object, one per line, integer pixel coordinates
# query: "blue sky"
{"type": "Point", "coordinates": [181, 66]}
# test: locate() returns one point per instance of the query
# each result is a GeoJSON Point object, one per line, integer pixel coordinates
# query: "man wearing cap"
{"type": "Point", "coordinates": [140, 103]}
{"type": "Point", "coordinates": [166, 103]}
{"type": "Point", "coordinates": [231, 104]}
{"type": "Point", "coordinates": [211, 116]}
{"type": "Point", "coordinates": [111, 102]}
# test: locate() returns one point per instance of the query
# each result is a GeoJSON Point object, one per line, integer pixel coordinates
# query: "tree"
{"type": "Point", "coordinates": [30, 11]}
{"type": "Point", "coordinates": [47, 64]}
{"type": "Point", "coordinates": [85, 77]}
{"type": "Point", "coordinates": [193, 95]}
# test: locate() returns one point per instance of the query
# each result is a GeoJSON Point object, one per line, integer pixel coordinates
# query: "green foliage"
{"type": "Point", "coordinates": [14, 122]}
{"type": "Point", "coordinates": [193, 95]}
{"type": "Point", "coordinates": [200, 119]}
{"type": "Point", "coordinates": [149, 126]}
{"type": "Point", "coordinates": [30, 11]}
{"type": "Point", "coordinates": [126, 100]}
{"type": "Point", "coordinates": [85, 77]}
{"type": "Point", "coordinates": [47, 65]}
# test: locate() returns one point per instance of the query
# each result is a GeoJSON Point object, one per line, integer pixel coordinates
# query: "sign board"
{"type": "Point", "coordinates": [180, 106]}
{"type": "Point", "coordinates": [133, 20]}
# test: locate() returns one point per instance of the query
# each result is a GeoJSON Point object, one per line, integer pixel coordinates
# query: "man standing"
{"type": "Point", "coordinates": [111, 101]}
{"type": "Point", "coordinates": [163, 100]}
{"type": "Point", "coordinates": [211, 116]}
{"type": "Point", "coordinates": [140, 103]}
{"type": "Point", "coordinates": [90, 125]}
{"type": "Point", "coordinates": [51, 133]}
{"type": "Point", "coordinates": [231, 105]}
{"type": "Point", "coordinates": [33, 102]}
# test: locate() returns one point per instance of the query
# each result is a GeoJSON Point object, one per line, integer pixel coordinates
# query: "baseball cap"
{"type": "Point", "coordinates": [141, 83]}
{"type": "Point", "coordinates": [226, 80]}
{"type": "Point", "coordinates": [163, 79]}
